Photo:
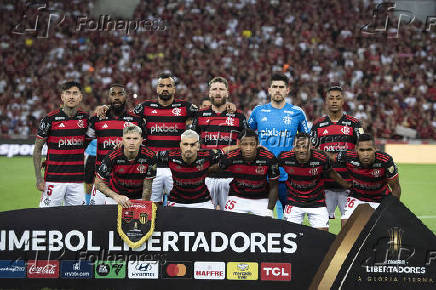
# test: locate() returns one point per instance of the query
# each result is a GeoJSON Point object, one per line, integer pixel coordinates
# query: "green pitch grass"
{"type": "Point", "coordinates": [418, 184]}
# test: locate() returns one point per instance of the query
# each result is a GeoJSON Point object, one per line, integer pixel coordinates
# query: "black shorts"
{"type": "Point", "coordinates": [90, 170]}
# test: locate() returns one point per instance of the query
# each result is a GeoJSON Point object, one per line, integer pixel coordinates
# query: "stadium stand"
{"type": "Point", "coordinates": [389, 83]}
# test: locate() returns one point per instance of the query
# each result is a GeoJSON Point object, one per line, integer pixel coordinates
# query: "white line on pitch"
{"type": "Point", "coordinates": [427, 216]}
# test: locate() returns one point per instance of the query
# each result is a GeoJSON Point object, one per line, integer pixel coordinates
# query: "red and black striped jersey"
{"type": "Point", "coordinates": [127, 177]}
{"type": "Point", "coordinates": [165, 124]}
{"type": "Point", "coordinates": [335, 137]}
{"type": "Point", "coordinates": [66, 140]}
{"type": "Point", "coordinates": [218, 130]}
{"type": "Point", "coordinates": [305, 182]}
{"type": "Point", "coordinates": [250, 179]}
{"type": "Point", "coordinates": [369, 184]}
{"type": "Point", "coordinates": [109, 131]}
{"type": "Point", "coordinates": [189, 179]}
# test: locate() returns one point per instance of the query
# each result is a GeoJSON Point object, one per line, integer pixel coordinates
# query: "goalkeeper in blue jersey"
{"type": "Point", "coordinates": [277, 123]}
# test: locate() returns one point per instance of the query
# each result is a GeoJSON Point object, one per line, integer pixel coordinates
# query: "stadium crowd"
{"type": "Point", "coordinates": [388, 82]}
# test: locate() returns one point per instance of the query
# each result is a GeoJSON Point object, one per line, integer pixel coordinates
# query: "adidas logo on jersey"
{"type": "Point", "coordinates": [325, 132]}
{"type": "Point", "coordinates": [264, 119]}
{"type": "Point", "coordinates": [62, 125]}
{"type": "Point", "coordinates": [105, 126]}
{"type": "Point", "coordinates": [154, 112]}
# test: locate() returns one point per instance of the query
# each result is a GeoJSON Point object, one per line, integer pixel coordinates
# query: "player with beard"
{"type": "Point", "coordinates": [373, 173]}
{"type": "Point", "coordinates": [166, 119]}
{"type": "Point", "coordinates": [334, 133]}
{"type": "Point", "coordinates": [218, 128]}
{"type": "Point", "coordinates": [109, 131]}
{"type": "Point", "coordinates": [305, 185]}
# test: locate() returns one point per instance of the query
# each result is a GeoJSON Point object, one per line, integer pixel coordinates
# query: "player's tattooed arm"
{"type": "Point", "coordinates": [120, 199]}
{"type": "Point", "coordinates": [394, 184]}
{"type": "Point", "coordinates": [336, 177]}
{"type": "Point", "coordinates": [146, 190]}
{"type": "Point", "coordinates": [273, 193]}
{"type": "Point", "coordinates": [37, 152]}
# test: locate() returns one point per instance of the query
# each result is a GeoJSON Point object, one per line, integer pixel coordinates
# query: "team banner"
{"type": "Point", "coordinates": [387, 249]}
{"type": "Point", "coordinates": [82, 246]}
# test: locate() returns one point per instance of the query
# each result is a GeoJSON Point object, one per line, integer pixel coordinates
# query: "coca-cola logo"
{"type": "Point", "coordinates": [42, 269]}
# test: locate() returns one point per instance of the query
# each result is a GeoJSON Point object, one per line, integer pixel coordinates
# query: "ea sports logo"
{"type": "Point", "coordinates": [177, 112]}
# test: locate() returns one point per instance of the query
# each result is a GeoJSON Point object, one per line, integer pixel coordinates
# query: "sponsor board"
{"type": "Point", "coordinates": [177, 270]}
{"type": "Point", "coordinates": [143, 269]}
{"type": "Point", "coordinates": [42, 269]}
{"type": "Point", "coordinates": [209, 270]}
{"type": "Point", "coordinates": [110, 269]}
{"type": "Point", "coordinates": [76, 269]}
{"type": "Point", "coordinates": [12, 269]}
{"type": "Point", "coordinates": [275, 271]}
{"type": "Point", "coordinates": [242, 271]}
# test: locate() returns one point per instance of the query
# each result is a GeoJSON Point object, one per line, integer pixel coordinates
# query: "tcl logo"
{"type": "Point", "coordinates": [42, 269]}
{"type": "Point", "coordinates": [275, 271]}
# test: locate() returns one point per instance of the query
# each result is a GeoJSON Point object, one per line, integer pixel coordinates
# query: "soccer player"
{"type": "Point", "coordinates": [205, 102]}
{"type": "Point", "coordinates": [127, 172]}
{"type": "Point", "coordinates": [109, 130]}
{"type": "Point", "coordinates": [305, 184]}
{"type": "Point", "coordinates": [374, 175]}
{"type": "Point", "coordinates": [64, 131]}
{"type": "Point", "coordinates": [218, 128]}
{"type": "Point", "coordinates": [189, 168]}
{"type": "Point", "coordinates": [277, 123]}
{"type": "Point", "coordinates": [334, 133]}
{"type": "Point", "coordinates": [90, 157]}
{"type": "Point", "coordinates": [255, 172]}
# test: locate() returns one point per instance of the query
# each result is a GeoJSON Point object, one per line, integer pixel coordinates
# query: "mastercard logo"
{"type": "Point", "coordinates": [176, 270]}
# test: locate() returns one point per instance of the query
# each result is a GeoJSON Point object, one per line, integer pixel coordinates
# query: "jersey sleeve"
{"type": "Point", "coordinates": [163, 158]}
{"type": "Point", "coordinates": [327, 164]}
{"type": "Point", "coordinates": [314, 135]}
{"type": "Point", "coordinates": [141, 124]}
{"type": "Point", "coordinates": [341, 157]}
{"type": "Point", "coordinates": [191, 110]}
{"type": "Point", "coordinates": [358, 130]}
{"type": "Point", "coordinates": [302, 124]}
{"type": "Point", "coordinates": [139, 110]}
{"type": "Point", "coordinates": [194, 124]}
{"type": "Point", "coordinates": [225, 162]}
{"type": "Point", "coordinates": [273, 169]}
{"type": "Point", "coordinates": [105, 169]}
{"type": "Point", "coordinates": [152, 167]}
{"type": "Point", "coordinates": [90, 133]}
{"type": "Point", "coordinates": [44, 128]}
{"type": "Point", "coordinates": [391, 168]}
{"type": "Point", "coordinates": [243, 123]}
{"type": "Point", "coordinates": [252, 121]}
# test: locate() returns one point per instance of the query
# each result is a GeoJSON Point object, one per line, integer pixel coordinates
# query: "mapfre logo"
{"type": "Point", "coordinates": [42, 269]}
{"type": "Point", "coordinates": [275, 271]}
{"type": "Point", "coordinates": [210, 270]}
{"type": "Point", "coordinates": [242, 271]}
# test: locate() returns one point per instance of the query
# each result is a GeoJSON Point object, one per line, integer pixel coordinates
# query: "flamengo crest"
{"type": "Point", "coordinates": [136, 223]}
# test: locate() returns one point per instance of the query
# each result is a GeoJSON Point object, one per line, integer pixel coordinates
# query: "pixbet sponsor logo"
{"type": "Point", "coordinates": [70, 142]}
{"type": "Point", "coordinates": [143, 270]}
{"type": "Point", "coordinates": [163, 129]}
{"type": "Point", "coordinates": [275, 271]}
{"type": "Point", "coordinates": [42, 269]}
{"type": "Point", "coordinates": [209, 270]}
{"type": "Point", "coordinates": [111, 143]}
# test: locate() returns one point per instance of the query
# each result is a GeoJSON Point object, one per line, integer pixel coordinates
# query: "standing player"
{"type": "Point", "coordinates": [255, 171]}
{"type": "Point", "coordinates": [334, 133]}
{"type": "Point", "coordinates": [374, 175]}
{"type": "Point", "coordinates": [305, 184]}
{"type": "Point", "coordinates": [277, 123]}
{"type": "Point", "coordinates": [64, 131]}
{"type": "Point", "coordinates": [127, 172]}
{"type": "Point", "coordinates": [218, 128]}
{"type": "Point", "coordinates": [189, 168]}
{"type": "Point", "coordinates": [109, 130]}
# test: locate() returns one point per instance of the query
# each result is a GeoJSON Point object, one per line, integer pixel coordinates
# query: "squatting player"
{"type": "Point", "coordinates": [64, 131]}
{"type": "Point", "coordinates": [255, 171]}
{"type": "Point", "coordinates": [218, 128]}
{"type": "Point", "coordinates": [109, 130]}
{"type": "Point", "coordinates": [334, 133]}
{"type": "Point", "coordinates": [305, 184]}
{"type": "Point", "coordinates": [277, 123]}
{"type": "Point", "coordinates": [189, 168]}
{"type": "Point", "coordinates": [374, 175]}
{"type": "Point", "coordinates": [127, 172]}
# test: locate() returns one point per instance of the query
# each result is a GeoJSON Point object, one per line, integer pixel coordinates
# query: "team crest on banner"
{"type": "Point", "coordinates": [136, 223]}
